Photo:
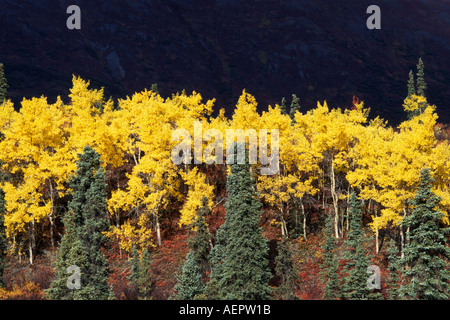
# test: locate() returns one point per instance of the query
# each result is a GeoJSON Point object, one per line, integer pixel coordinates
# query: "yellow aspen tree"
{"type": "Point", "coordinates": [133, 234]}
{"type": "Point", "coordinates": [198, 188]}
{"type": "Point", "coordinates": [30, 142]}
{"type": "Point", "coordinates": [296, 163]}
{"type": "Point", "coordinates": [93, 122]}
{"type": "Point", "coordinates": [389, 163]}
{"type": "Point", "coordinates": [332, 134]}
{"type": "Point", "coordinates": [155, 178]}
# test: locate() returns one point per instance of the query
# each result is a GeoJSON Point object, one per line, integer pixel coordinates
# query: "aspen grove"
{"type": "Point", "coordinates": [327, 157]}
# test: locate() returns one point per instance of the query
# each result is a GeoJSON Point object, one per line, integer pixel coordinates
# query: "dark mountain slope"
{"type": "Point", "coordinates": [316, 49]}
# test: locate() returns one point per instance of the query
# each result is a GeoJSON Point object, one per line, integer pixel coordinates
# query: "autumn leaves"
{"type": "Point", "coordinates": [324, 149]}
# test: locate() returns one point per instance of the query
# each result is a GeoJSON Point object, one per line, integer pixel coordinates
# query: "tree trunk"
{"type": "Point", "coordinates": [50, 217]}
{"type": "Point", "coordinates": [158, 231]}
{"type": "Point", "coordinates": [31, 242]}
{"type": "Point", "coordinates": [304, 218]}
{"type": "Point", "coordinates": [402, 242]}
{"type": "Point", "coordinates": [335, 200]}
{"type": "Point", "coordinates": [402, 234]}
{"type": "Point", "coordinates": [284, 232]}
{"type": "Point", "coordinates": [377, 248]}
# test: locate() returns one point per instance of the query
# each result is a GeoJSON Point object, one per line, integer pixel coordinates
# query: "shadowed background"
{"type": "Point", "coordinates": [316, 49]}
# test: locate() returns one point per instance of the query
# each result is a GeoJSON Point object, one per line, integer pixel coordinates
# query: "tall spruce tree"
{"type": "Point", "coordinates": [140, 276]}
{"type": "Point", "coordinates": [216, 258]}
{"type": "Point", "coordinates": [190, 285]}
{"type": "Point", "coordinates": [355, 271]}
{"type": "Point", "coordinates": [199, 243]}
{"type": "Point", "coordinates": [394, 277]}
{"type": "Point", "coordinates": [295, 106]}
{"type": "Point", "coordinates": [244, 266]}
{"type": "Point", "coordinates": [285, 269]}
{"type": "Point", "coordinates": [154, 88]}
{"type": "Point", "coordinates": [418, 88]}
{"type": "Point", "coordinates": [190, 282]}
{"type": "Point", "coordinates": [135, 270]}
{"type": "Point", "coordinates": [411, 84]}
{"type": "Point", "coordinates": [71, 253]}
{"type": "Point", "coordinates": [83, 238]}
{"type": "Point", "coordinates": [330, 264]}
{"type": "Point", "coordinates": [283, 107]}
{"type": "Point", "coordinates": [421, 84]}
{"type": "Point", "coordinates": [3, 85]}
{"type": "Point", "coordinates": [145, 277]}
{"type": "Point", "coordinates": [426, 256]}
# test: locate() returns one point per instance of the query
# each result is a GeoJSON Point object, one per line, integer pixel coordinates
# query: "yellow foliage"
{"type": "Point", "coordinates": [42, 140]}
{"type": "Point", "coordinates": [28, 291]}
{"type": "Point", "coordinates": [198, 188]}
{"type": "Point", "coordinates": [128, 235]}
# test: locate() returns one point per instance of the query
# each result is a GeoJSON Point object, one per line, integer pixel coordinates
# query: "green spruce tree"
{"type": "Point", "coordinates": [394, 277]}
{"type": "Point", "coordinates": [355, 271]}
{"type": "Point", "coordinates": [216, 258]}
{"type": "Point", "coordinates": [154, 88]}
{"type": "Point", "coordinates": [190, 281]}
{"type": "Point", "coordinates": [3, 85]}
{"type": "Point", "coordinates": [135, 270]}
{"type": "Point", "coordinates": [244, 266]}
{"type": "Point", "coordinates": [295, 106]}
{"type": "Point", "coordinates": [330, 265]}
{"type": "Point", "coordinates": [145, 277]}
{"type": "Point", "coordinates": [286, 271]}
{"type": "Point", "coordinates": [140, 275]}
{"type": "Point", "coordinates": [426, 255]}
{"type": "Point", "coordinates": [199, 254]}
{"type": "Point", "coordinates": [421, 84]}
{"type": "Point", "coordinates": [283, 107]}
{"type": "Point", "coordinates": [411, 84]}
{"type": "Point", "coordinates": [70, 254]}
{"type": "Point", "coordinates": [199, 243]}
{"type": "Point", "coordinates": [83, 238]}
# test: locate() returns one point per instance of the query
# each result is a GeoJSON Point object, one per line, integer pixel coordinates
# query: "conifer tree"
{"type": "Point", "coordinates": [244, 268]}
{"type": "Point", "coordinates": [190, 282]}
{"type": "Point", "coordinates": [283, 107]}
{"type": "Point", "coordinates": [145, 280]}
{"type": "Point", "coordinates": [411, 84]}
{"type": "Point", "coordinates": [197, 260]}
{"type": "Point", "coordinates": [83, 238]}
{"type": "Point", "coordinates": [199, 244]}
{"type": "Point", "coordinates": [330, 262]}
{"type": "Point", "coordinates": [154, 88]}
{"type": "Point", "coordinates": [355, 271]}
{"type": "Point", "coordinates": [140, 275]}
{"type": "Point", "coordinates": [216, 258]}
{"type": "Point", "coordinates": [394, 277]}
{"type": "Point", "coordinates": [421, 84]}
{"type": "Point", "coordinates": [70, 254]}
{"type": "Point", "coordinates": [135, 269]}
{"type": "Point", "coordinates": [426, 256]}
{"type": "Point", "coordinates": [295, 106]}
{"type": "Point", "coordinates": [3, 85]}
{"type": "Point", "coordinates": [285, 269]}
{"type": "Point", "coordinates": [211, 291]}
